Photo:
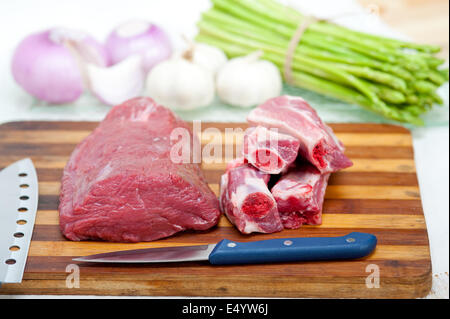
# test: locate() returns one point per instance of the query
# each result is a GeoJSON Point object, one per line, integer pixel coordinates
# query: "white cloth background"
{"type": "Point", "coordinates": [20, 18]}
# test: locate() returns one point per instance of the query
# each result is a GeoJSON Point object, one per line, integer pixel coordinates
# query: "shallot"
{"type": "Point", "coordinates": [48, 64]}
{"type": "Point", "coordinates": [139, 37]}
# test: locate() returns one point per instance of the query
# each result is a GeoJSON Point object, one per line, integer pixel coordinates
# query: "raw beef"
{"type": "Point", "coordinates": [294, 116]}
{"type": "Point", "coordinates": [300, 194]}
{"type": "Point", "coordinates": [240, 161]}
{"type": "Point", "coordinates": [246, 199]}
{"type": "Point", "coordinates": [269, 151]}
{"type": "Point", "coordinates": [121, 185]}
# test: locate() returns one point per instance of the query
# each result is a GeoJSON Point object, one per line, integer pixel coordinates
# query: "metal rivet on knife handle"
{"type": "Point", "coordinates": [288, 242]}
{"type": "Point", "coordinates": [350, 240]}
{"type": "Point", "coordinates": [231, 245]}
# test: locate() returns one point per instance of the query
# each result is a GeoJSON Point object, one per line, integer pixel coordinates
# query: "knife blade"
{"type": "Point", "coordinates": [352, 246]}
{"type": "Point", "coordinates": [18, 206]}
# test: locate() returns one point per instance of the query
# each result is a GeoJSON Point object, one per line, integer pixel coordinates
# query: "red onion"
{"type": "Point", "coordinates": [48, 64]}
{"type": "Point", "coordinates": [139, 37]}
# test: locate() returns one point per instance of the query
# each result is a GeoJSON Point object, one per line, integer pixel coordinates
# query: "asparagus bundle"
{"type": "Point", "coordinates": [394, 78]}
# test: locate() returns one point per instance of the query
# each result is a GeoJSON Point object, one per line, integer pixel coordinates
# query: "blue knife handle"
{"type": "Point", "coordinates": [352, 246]}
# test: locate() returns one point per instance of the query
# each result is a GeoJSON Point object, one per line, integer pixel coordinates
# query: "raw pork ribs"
{"type": "Point", "coordinates": [121, 185]}
{"type": "Point", "coordinates": [294, 116]}
{"type": "Point", "coordinates": [299, 195]}
{"type": "Point", "coordinates": [300, 153]}
{"type": "Point", "coordinates": [269, 151]}
{"type": "Point", "coordinates": [246, 200]}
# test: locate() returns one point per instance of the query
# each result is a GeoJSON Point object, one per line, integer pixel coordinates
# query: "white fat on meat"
{"type": "Point", "coordinates": [268, 150]}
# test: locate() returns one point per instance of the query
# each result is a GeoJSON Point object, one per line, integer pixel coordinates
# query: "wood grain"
{"type": "Point", "coordinates": [385, 236]}
{"type": "Point", "coordinates": [68, 137]}
{"type": "Point", "coordinates": [359, 165]}
{"type": "Point", "coordinates": [379, 194]}
{"type": "Point", "coordinates": [333, 191]}
{"type": "Point", "coordinates": [70, 248]}
{"type": "Point", "coordinates": [386, 221]}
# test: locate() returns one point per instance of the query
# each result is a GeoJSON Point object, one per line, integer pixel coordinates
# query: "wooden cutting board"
{"type": "Point", "coordinates": [379, 195]}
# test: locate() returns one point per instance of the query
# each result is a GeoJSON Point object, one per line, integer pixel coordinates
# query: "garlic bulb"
{"type": "Point", "coordinates": [209, 57]}
{"type": "Point", "coordinates": [180, 84]}
{"type": "Point", "coordinates": [248, 81]}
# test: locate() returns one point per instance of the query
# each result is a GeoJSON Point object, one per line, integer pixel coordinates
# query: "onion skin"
{"type": "Point", "coordinates": [117, 83]}
{"type": "Point", "coordinates": [98, 54]}
{"type": "Point", "coordinates": [47, 70]}
{"type": "Point", "coordinates": [153, 44]}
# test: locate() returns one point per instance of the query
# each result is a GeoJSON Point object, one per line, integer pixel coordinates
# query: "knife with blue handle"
{"type": "Point", "coordinates": [352, 246]}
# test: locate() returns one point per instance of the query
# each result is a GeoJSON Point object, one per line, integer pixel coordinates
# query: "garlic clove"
{"type": "Point", "coordinates": [117, 83]}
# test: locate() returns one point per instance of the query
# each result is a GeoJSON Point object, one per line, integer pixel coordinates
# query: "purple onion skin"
{"type": "Point", "coordinates": [103, 56]}
{"type": "Point", "coordinates": [153, 44]}
{"type": "Point", "coordinates": [47, 70]}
